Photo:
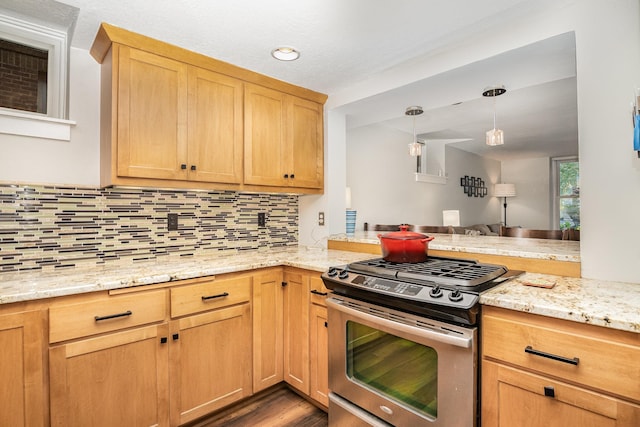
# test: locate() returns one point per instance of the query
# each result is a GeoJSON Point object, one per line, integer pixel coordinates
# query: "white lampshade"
{"type": "Point", "coordinates": [451, 217]}
{"type": "Point", "coordinates": [504, 190]}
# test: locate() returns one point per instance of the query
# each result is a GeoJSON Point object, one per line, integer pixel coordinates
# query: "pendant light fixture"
{"type": "Point", "coordinates": [494, 136]}
{"type": "Point", "coordinates": [415, 148]}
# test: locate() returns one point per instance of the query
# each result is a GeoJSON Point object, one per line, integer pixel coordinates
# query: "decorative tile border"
{"type": "Point", "coordinates": [49, 227]}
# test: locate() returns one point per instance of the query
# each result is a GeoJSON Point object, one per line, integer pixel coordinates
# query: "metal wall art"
{"type": "Point", "coordinates": [473, 186]}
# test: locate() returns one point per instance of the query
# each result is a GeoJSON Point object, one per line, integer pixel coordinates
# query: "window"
{"type": "Point", "coordinates": [23, 73]}
{"type": "Point", "coordinates": [33, 68]}
{"type": "Point", "coordinates": [566, 192]}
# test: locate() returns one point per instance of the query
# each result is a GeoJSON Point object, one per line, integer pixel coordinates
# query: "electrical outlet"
{"type": "Point", "coordinates": [172, 222]}
{"type": "Point", "coordinates": [320, 218]}
{"type": "Point", "coordinates": [262, 219]}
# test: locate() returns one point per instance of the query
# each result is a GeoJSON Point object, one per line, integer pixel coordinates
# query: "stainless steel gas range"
{"type": "Point", "coordinates": [403, 347]}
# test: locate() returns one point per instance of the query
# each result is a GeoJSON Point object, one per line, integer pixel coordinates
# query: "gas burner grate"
{"type": "Point", "coordinates": [447, 271]}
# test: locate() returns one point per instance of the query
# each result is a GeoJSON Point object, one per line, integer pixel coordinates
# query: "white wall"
{"type": "Point", "coordinates": [608, 70]}
{"type": "Point", "coordinates": [532, 207]}
{"type": "Point", "coordinates": [76, 162]}
{"type": "Point", "coordinates": [381, 176]}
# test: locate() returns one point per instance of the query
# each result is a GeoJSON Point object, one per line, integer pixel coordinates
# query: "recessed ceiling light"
{"type": "Point", "coordinates": [285, 53]}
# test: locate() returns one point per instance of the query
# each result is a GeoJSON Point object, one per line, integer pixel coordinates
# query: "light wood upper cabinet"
{"type": "Point", "coordinates": [215, 127]}
{"type": "Point", "coordinates": [151, 116]}
{"type": "Point", "coordinates": [22, 394]}
{"type": "Point", "coordinates": [176, 121]}
{"type": "Point", "coordinates": [283, 139]}
{"type": "Point", "coordinates": [175, 118]}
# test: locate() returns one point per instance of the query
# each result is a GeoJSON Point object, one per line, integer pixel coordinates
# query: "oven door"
{"type": "Point", "coordinates": [404, 369]}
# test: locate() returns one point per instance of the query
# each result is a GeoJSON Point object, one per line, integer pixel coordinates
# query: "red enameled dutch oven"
{"type": "Point", "coordinates": [404, 246]}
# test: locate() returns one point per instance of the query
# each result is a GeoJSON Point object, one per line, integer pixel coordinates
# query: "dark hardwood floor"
{"type": "Point", "coordinates": [279, 407]}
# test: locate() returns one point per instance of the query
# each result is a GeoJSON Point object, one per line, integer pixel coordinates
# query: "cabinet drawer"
{"type": "Point", "coordinates": [319, 291]}
{"type": "Point", "coordinates": [590, 359]}
{"type": "Point", "coordinates": [209, 295]}
{"type": "Point", "coordinates": [106, 314]}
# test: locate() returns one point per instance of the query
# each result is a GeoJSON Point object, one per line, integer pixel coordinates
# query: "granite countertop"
{"type": "Point", "coordinates": [597, 302]}
{"type": "Point", "coordinates": [559, 250]}
{"type": "Point", "coordinates": [16, 287]}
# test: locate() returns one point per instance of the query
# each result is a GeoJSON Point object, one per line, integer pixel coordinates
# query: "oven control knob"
{"type": "Point", "coordinates": [343, 274]}
{"type": "Point", "coordinates": [332, 271]}
{"type": "Point", "coordinates": [455, 296]}
{"type": "Point", "coordinates": [435, 292]}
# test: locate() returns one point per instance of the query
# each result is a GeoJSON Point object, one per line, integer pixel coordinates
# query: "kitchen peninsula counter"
{"type": "Point", "coordinates": [559, 257]}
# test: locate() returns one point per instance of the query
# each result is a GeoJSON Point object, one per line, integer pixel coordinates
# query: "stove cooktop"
{"type": "Point", "coordinates": [443, 288]}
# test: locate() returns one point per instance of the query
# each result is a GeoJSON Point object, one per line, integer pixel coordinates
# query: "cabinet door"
{"type": "Point", "coordinates": [210, 361]}
{"type": "Point", "coordinates": [114, 380]}
{"type": "Point", "coordinates": [296, 331]}
{"type": "Point", "coordinates": [22, 391]}
{"type": "Point", "coordinates": [511, 397]}
{"type": "Point", "coordinates": [152, 116]}
{"type": "Point", "coordinates": [215, 127]}
{"type": "Point", "coordinates": [319, 355]}
{"type": "Point", "coordinates": [268, 347]}
{"type": "Point", "coordinates": [264, 135]}
{"type": "Point", "coordinates": [304, 143]}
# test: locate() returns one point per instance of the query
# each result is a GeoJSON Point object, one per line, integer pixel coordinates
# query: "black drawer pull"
{"type": "Point", "coordinates": [113, 316]}
{"type": "Point", "coordinates": [323, 294]}
{"type": "Point", "coordinates": [530, 350]}
{"type": "Point", "coordinates": [222, 295]}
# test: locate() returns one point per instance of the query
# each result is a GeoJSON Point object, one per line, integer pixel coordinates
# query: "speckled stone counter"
{"type": "Point", "coordinates": [16, 287]}
{"type": "Point", "coordinates": [609, 304]}
{"type": "Point", "coordinates": [546, 249]}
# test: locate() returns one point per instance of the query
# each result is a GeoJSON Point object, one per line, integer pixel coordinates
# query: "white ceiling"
{"type": "Point", "coordinates": [343, 42]}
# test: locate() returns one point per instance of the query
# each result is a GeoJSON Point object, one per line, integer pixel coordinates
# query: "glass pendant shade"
{"type": "Point", "coordinates": [495, 137]}
{"type": "Point", "coordinates": [415, 149]}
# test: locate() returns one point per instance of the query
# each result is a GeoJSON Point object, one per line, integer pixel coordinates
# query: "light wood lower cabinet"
{"type": "Point", "coordinates": [296, 330]}
{"type": "Point", "coordinates": [513, 397]}
{"type": "Point", "coordinates": [210, 361]}
{"type": "Point", "coordinates": [318, 355]}
{"type": "Point", "coordinates": [22, 393]}
{"type": "Point", "coordinates": [268, 334]}
{"type": "Point", "coordinates": [113, 380]}
{"type": "Point", "coordinates": [539, 371]}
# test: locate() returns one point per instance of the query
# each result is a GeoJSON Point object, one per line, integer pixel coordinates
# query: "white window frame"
{"type": "Point", "coordinates": [555, 180]}
{"type": "Point", "coordinates": [52, 125]}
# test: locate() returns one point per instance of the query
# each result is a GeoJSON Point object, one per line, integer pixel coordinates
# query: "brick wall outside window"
{"type": "Point", "coordinates": [20, 69]}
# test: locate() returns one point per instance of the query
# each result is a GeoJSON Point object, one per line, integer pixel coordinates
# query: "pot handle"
{"type": "Point", "coordinates": [428, 239]}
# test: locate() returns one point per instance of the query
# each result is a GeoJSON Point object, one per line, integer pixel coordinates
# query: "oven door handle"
{"type": "Point", "coordinates": [442, 337]}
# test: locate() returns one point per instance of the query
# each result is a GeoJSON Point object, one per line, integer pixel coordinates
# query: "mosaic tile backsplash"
{"type": "Point", "coordinates": [53, 227]}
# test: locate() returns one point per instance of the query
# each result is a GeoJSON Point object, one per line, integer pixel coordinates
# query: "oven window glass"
{"type": "Point", "coordinates": [402, 370]}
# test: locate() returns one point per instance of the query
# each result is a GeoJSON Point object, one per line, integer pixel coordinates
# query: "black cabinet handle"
{"type": "Point", "coordinates": [292, 176]}
{"type": "Point", "coordinates": [284, 284]}
{"type": "Point", "coordinates": [326, 324]}
{"type": "Point", "coordinates": [193, 167]}
{"type": "Point", "coordinates": [323, 294]}
{"type": "Point", "coordinates": [163, 340]}
{"type": "Point", "coordinates": [286, 175]}
{"type": "Point", "coordinates": [175, 337]}
{"type": "Point", "coordinates": [113, 316]}
{"type": "Point", "coordinates": [531, 350]}
{"type": "Point", "coordinates": [183, 166]}
{"type": "Point", "coordinates": [222, 295]}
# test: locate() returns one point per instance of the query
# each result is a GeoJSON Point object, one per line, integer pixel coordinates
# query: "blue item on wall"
{"type": "Point", "coordinates": [636, 133]}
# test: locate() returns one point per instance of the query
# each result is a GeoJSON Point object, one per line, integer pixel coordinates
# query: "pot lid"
{"type": "Point", "coordinates": [403, 234]}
